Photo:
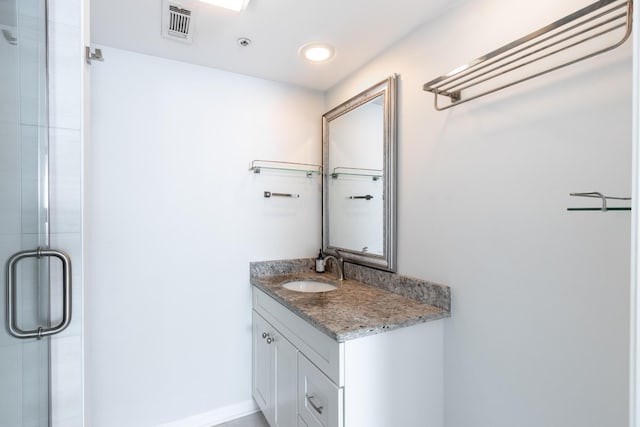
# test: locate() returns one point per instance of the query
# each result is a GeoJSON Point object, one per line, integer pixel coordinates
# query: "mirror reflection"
{"type": "Point", "coordinates": [359, 165]}
{"type": "Point", "coordinates": [355, 188]}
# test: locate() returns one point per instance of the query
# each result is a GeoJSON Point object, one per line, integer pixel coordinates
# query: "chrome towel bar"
{"type": "Point", "coordinates": [268, 194]}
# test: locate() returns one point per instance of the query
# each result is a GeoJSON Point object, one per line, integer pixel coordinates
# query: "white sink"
{"type": "Point", "coordinates": [309, 286]}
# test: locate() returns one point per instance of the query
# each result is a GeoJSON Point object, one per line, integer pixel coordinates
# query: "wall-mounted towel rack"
{"type": "Point", "coordinates": [604, 207]}
{"type": "Point", "coordinates": [309, 169]}
{"type": "Point", "coordinates": [589, 23]}
{"type": "Point", "coordinates": [374, 174]}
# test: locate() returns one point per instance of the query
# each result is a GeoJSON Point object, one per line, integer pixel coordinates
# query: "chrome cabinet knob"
{"type": "Point", "coordinates": [268, 337]}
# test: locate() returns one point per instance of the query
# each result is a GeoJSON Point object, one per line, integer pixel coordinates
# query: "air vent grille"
{"type": "Point", "coordinates": [179, 22]}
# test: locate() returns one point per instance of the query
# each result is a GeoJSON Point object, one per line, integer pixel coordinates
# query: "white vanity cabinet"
{"type": "Point", "coordinates": [303, 377]}
{"type": "Point", "coordinates": [275, 378]}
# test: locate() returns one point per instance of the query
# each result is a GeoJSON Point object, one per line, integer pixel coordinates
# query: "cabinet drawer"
{"type": "Point", "coordinates": [325, 352]}
{"type": "Point", "coordinates": [320, 401]}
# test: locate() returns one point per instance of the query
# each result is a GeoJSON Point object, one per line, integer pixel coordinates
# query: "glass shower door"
{"type": "Point", "coordinates": [25, 302]}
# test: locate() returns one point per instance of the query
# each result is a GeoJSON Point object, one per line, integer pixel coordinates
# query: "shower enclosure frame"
{"type": "Point", "coordinates": [35, 309]}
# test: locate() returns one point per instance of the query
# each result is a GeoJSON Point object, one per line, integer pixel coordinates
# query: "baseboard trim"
{"type": "Point", "coordinates": [217, 416]}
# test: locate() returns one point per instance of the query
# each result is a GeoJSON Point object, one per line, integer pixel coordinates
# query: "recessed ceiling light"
{"type": "Point", "coordinates": [317, 52]}
{"type": "Point", "coordinates": [236, 5]}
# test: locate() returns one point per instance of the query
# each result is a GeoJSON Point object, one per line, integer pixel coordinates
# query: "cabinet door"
{"type": "Point", "coordinates": [262, 366]}
{"type": "Point", "coordinates": [285, 357]}
{"type": "Point", "coordinates": [275, 374]}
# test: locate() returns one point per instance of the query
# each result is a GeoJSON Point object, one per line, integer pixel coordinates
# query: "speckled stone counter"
{"type": "Point", "coordinates": [388, 301]}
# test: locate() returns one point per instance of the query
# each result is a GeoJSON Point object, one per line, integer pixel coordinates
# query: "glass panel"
{"type": "Point", "coordinates": [24, 364]}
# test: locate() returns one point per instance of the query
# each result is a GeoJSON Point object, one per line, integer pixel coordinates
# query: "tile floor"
{"type": "Point", "coordinates": [253, 420]}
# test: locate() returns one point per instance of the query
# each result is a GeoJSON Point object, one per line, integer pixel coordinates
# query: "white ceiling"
{"type": "Point", "coordinates": [358, 29]}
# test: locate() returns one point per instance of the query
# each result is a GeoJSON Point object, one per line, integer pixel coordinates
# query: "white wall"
{"type": "Point", "coordinates": [539, 328]}
{"type": "Point", "coordinates": [173, 219]}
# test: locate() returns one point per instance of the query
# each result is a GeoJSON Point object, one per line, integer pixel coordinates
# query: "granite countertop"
{"type": "Point", "coordinates": [353, 310]}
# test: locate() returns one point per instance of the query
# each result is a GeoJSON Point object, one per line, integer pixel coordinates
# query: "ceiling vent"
{"type": "Point", "coordinates": [177, 22]}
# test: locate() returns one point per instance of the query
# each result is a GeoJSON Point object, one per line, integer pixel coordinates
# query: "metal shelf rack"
{"type": "Point", "coordinates": [603, 198]}
{"type": "Point", "coordinates": [489, 72]}
{"type": "Point", "coordinates": [309, 169]}
{"type": "Point", "coordinates": [374, 174]}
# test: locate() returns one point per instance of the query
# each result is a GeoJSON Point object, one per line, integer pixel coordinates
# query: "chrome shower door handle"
{"type": "Point", "coordinates": [12, 317]}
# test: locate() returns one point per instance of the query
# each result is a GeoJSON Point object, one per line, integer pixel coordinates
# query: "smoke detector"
{"type": "Point", "coordinates": [177, 22]}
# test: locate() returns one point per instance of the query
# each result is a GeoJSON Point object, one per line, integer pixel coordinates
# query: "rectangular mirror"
{"type": "Point", "coordinates": [359, 169]}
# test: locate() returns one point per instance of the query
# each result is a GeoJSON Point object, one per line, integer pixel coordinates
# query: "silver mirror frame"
{"type": "Point", "coordinates": [387, 88]}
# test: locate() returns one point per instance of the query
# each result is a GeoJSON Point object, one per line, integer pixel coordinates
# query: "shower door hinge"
{"type": "Point", "coordinates": [95, 56]}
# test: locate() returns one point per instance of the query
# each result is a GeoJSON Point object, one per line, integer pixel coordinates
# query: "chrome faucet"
{"type": "Point", "coordinates": [339, 265]}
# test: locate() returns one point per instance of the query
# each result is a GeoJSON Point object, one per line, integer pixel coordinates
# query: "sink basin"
{"type": "Point", "coordinates": [309, 286]}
